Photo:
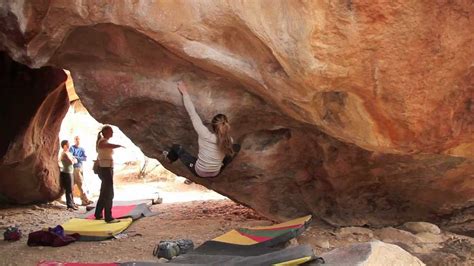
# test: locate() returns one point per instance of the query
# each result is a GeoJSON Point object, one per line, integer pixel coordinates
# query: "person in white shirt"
{"type": "Point", "coordinates": [216, 148]}
{"type": "Point", "coordinates": [105, 151]}
{"type": "Point", "coordinates": [66, 170]}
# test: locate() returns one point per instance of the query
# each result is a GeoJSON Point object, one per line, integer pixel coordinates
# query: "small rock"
{"type": "Point", "coordinates": [157, 200]}
{"type": "Point", "coordinates": [292, 243]}
{"type": "Point", "coordinates": [322, 243]}
{"type": "Point", "coordinates": [430, 238]}
{"type": "Point", "coordinates": [421, 227]}
{"type": "Point", "coordinates": [392, 235]}
{"type": "Point", "coordinates": [37, 208]}
{"type": "Point", "coordinates": [347, 231]}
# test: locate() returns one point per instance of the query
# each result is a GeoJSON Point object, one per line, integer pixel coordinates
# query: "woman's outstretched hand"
{"type": "Point", "coordinates": [182, 88]}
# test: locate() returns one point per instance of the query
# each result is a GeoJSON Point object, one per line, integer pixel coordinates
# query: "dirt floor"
{"type": "Point", "coordinates": [192, 212]}
{"type": "Point", "coordinates": [188, 211]}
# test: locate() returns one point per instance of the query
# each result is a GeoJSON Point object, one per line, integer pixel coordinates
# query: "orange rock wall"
{"type": "Point", "coordinates": [358, 111]}
{"type": "Point", "coordinates": [33, 104]}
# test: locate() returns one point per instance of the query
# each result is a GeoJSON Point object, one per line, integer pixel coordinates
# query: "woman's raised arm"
{"type": "Point", "coordinates": [188, 105]}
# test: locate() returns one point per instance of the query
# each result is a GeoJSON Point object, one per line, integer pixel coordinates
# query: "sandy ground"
{"type": "Point", "coordinates": [198, 220]}
{"type": "Point", "coordinates": [188, 211]}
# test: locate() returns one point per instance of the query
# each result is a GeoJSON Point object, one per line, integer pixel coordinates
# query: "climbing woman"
{"type": "Point", "coordinates": [215, 147]}
{"type": "Point", "coordinates": [105, 152]}
{"type": "Point", "coordinates": [66, 181]}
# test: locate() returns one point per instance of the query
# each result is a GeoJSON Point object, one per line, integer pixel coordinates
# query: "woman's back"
{"type": "Point", "coordinates": [210, 156]}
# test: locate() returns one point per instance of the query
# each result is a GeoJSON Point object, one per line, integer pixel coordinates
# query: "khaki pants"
{"type": "Point", "coordinates": [78, 180]}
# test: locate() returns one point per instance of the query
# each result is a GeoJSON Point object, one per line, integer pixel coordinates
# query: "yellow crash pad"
{"type": "Point", "coordinates": [95, 228]}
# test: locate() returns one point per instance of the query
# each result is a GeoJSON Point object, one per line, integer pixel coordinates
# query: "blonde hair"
{"type": "Point", "coordinates": [221, 127]}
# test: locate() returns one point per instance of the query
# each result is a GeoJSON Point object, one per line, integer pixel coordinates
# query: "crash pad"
{"type": "Point", "coordinates": [134, 211]}
{"type": "Point", "coordinates": [255, 240]}
{"type": "Point", "coordinates": [56, 263]}
{"type": "Point", "coordinates": [95, 229]}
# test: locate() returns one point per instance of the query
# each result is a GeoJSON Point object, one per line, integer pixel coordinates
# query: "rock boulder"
{"type": "Point", "coordinates": [33, 104]}
{"type": "Point", "coordinates": [359, 112]}
{"type": "Point", "coordinates": [422, 227]}
{"type": "Point", "coordinates": [371, 253]}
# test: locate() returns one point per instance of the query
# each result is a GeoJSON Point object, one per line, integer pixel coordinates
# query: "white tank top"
{"type": "Point", "coordinates": [105, 155]}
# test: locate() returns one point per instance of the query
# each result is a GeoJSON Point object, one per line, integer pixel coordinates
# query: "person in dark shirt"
{"type": "Point", "coordinates": [80, 155]}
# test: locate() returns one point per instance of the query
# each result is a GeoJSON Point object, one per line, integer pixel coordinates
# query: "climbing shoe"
{"type": "Point", "coordinates": [173, 154]}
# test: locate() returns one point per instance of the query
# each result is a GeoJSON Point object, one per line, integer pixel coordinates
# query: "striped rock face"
{"type": "Point", "coordinates": [33, 103]}
{"type": "Point", "coordinates": [359, 112]}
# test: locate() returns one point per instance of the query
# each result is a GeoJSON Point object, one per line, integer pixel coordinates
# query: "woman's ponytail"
{"type": "Point", "coordinates": [221, 127]}
{"type": "Point", "coordinates": [99, 136]}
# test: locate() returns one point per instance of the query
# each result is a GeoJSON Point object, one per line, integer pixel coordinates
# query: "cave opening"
{"type": "Point", "coordinates": [136, 176]}
{"type": "Point", "coordinates": [40, 108]}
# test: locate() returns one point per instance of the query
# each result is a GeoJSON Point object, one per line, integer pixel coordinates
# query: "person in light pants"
{"type": "Point", "coordinates": [80, 155]}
